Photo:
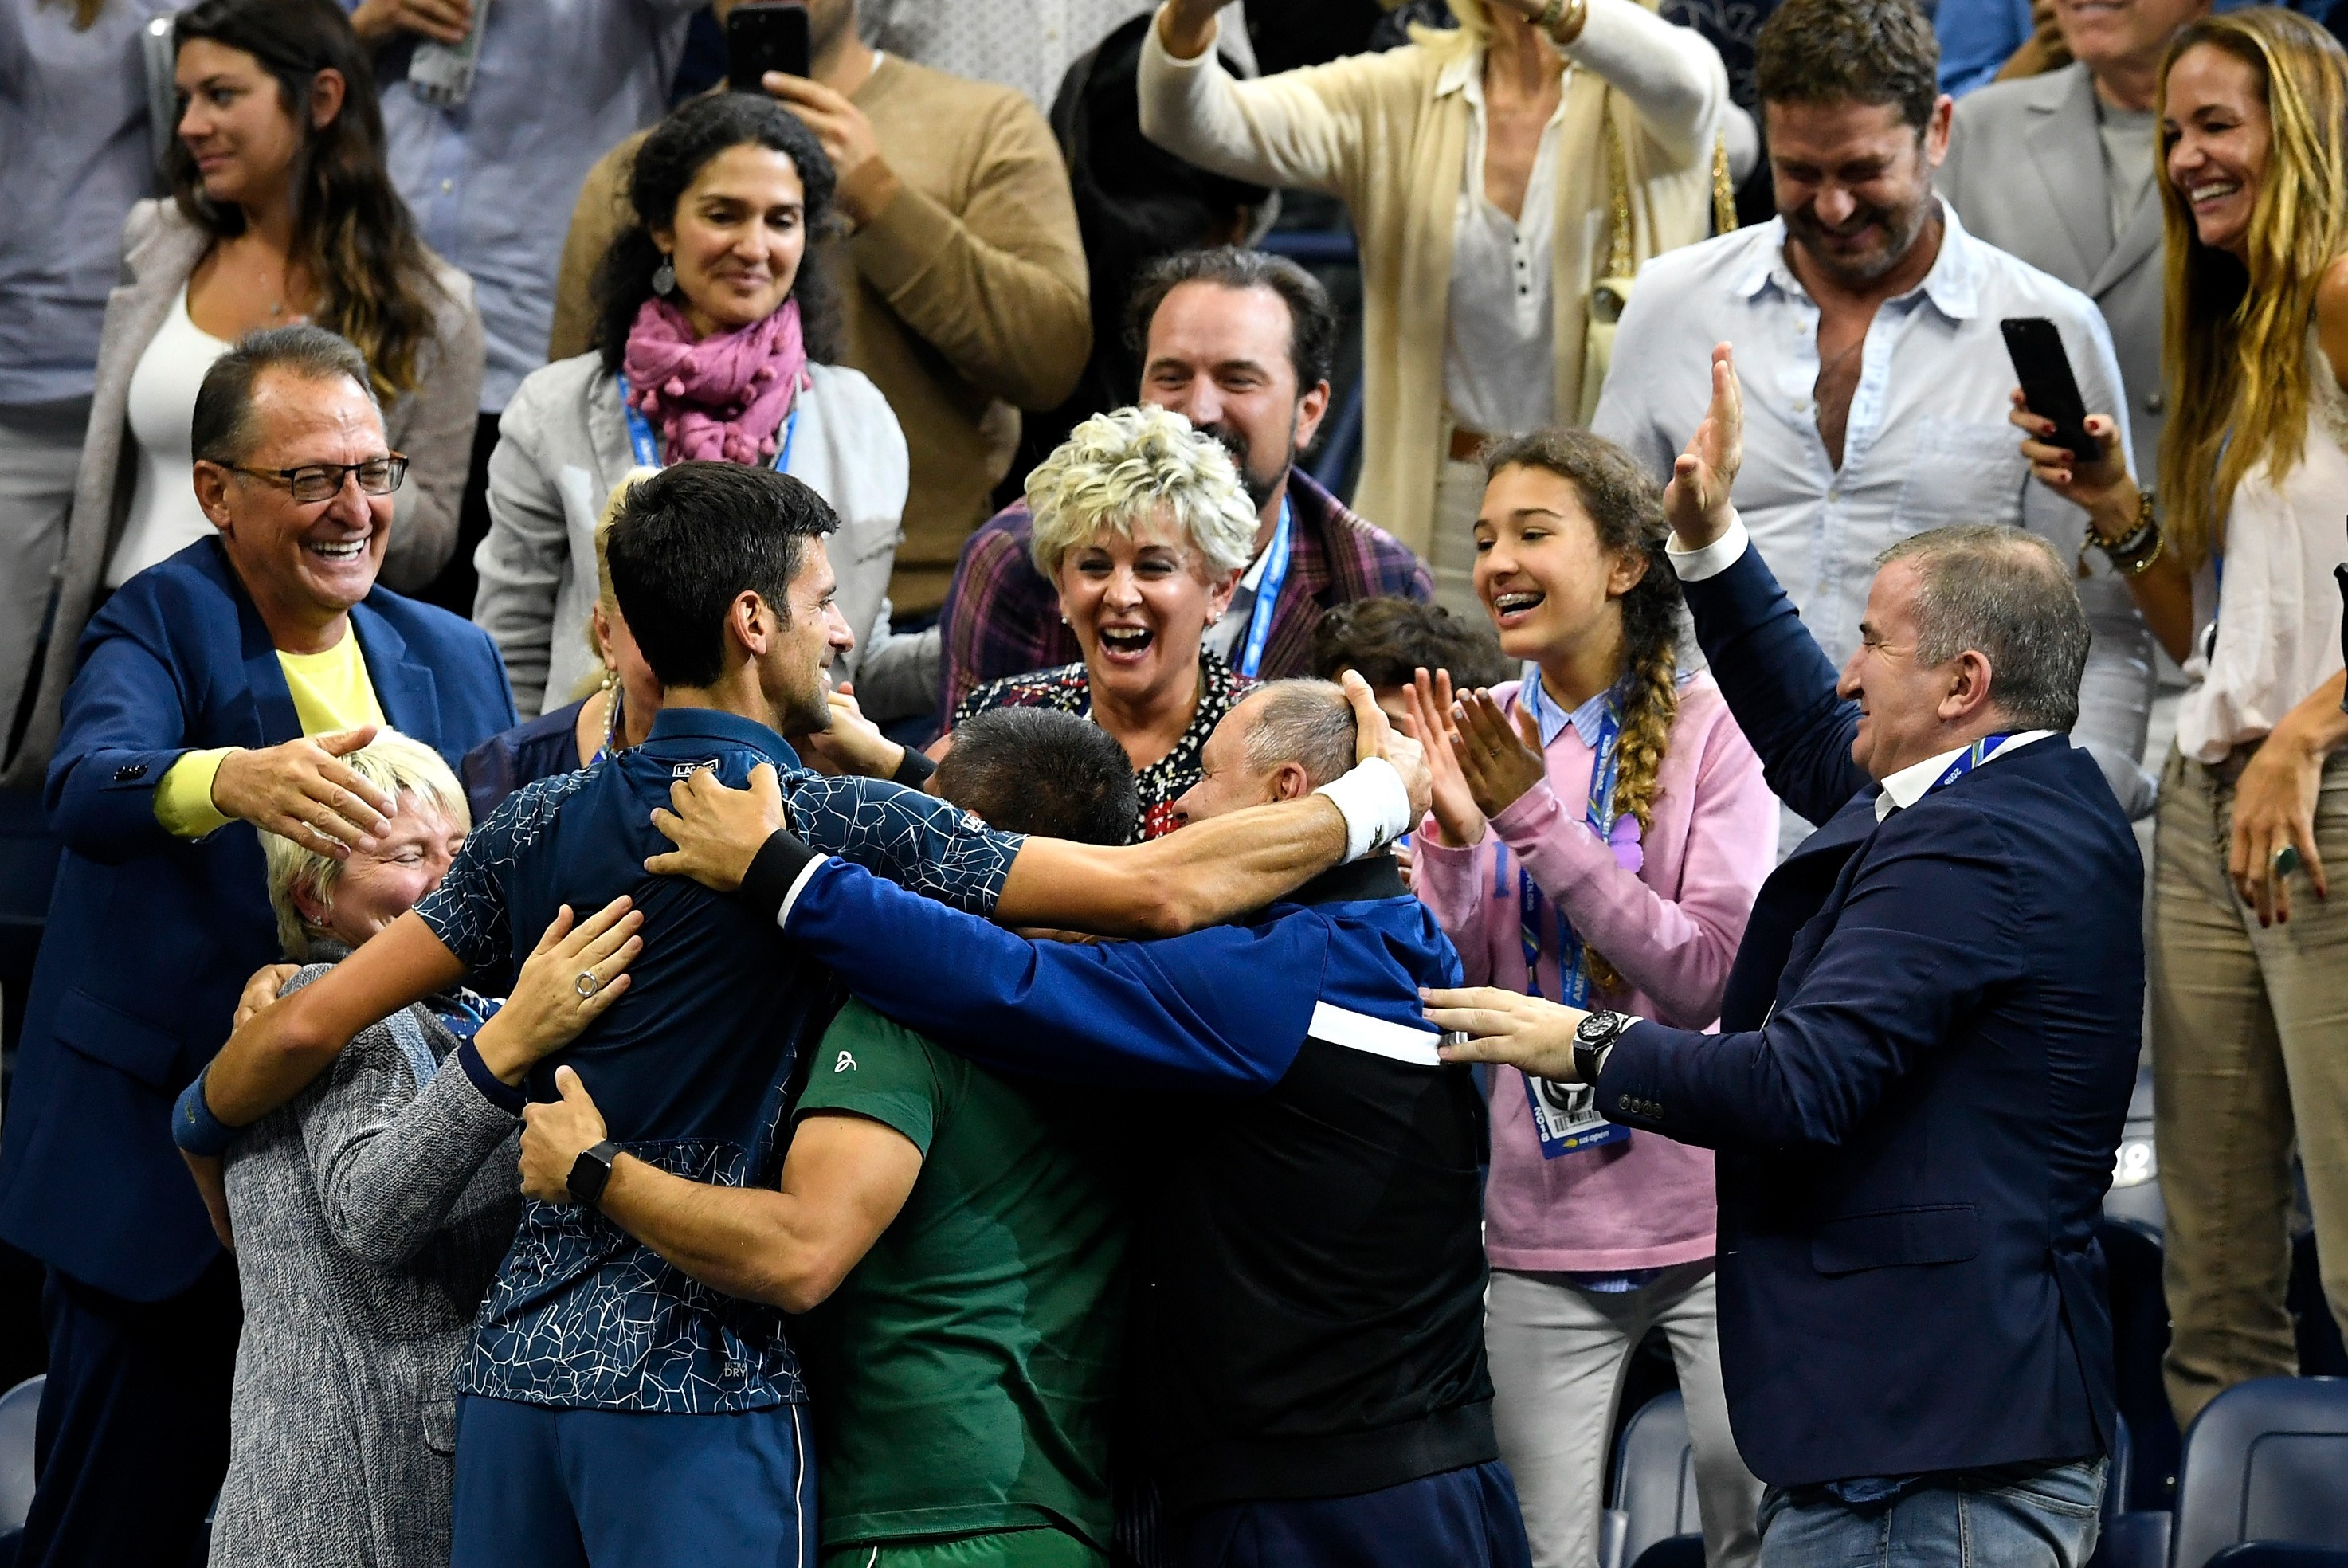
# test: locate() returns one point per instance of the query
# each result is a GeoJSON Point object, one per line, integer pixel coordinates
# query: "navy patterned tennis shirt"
{"type": "Point", "coordinates": [691, 1067]}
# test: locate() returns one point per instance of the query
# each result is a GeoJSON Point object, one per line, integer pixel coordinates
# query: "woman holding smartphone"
{"type": "Point", "coordinates": [1599, 833]}
{"type": "Point", "coordinates": [2250, 986]}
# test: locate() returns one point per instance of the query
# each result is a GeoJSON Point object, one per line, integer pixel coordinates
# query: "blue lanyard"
{"type": "Point", "coordinates": [1971, 757]}
{"type": "Point", "coordinates": [647, 448]}
{"type": "Point", "coordinates": [1267, 594]}
{"type": "Point", "coordinates": [1572, 974]}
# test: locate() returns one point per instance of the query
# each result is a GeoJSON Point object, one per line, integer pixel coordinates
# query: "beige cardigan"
{"type": "Point", "coordinates": [1388, 133]}
{"type": "Point", "coordinates": [433, 425]}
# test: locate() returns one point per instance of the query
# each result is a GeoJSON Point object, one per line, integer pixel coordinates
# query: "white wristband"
{"type": "Point", "coordinates": [1374, 803]}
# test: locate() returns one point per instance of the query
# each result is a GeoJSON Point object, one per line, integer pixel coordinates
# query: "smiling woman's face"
{"type": "Point", "coordinates": [737, 238]}
{"type": "Point", "coordinates": [381, 881]}
{"type": "Point", "coordinates": [1139, 605]}
{"type": "Point", "coordinates": [2219, 133]}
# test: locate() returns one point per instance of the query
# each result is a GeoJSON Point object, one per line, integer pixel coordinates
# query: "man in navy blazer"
{"type": "Point", "coordinates": [213, 694]}
{"type": "Point", "coordinates": [1925, 1052]}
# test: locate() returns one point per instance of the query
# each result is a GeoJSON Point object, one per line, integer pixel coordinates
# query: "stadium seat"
{"type": "Point", "coordinates": [2132, 1264]}
{"type": "Point", "coordinates": [1674, 1551]}
{"type": "Point", "coordinates": [2264, 1466]}
{"type": "Point", "coordinates": [18, 1408]}
{"type": "Point", "coordinates": [1654, 1480]}
{"type": "Point", "coordinates": [2277, 1555]}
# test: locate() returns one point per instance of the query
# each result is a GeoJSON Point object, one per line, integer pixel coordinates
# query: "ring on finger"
{"type": "Point", "coordinates": [2285, 860]}
{"type": "Point", "coordinates": [586, 984]}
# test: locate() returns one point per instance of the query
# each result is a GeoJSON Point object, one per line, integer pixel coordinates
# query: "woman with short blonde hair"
{"type": "Point", "coordinates": [1143, 526]}
{"type": "Point", "coordinates": [2248, 1011]}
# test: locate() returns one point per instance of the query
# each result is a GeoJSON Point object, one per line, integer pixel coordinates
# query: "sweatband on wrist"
{"type": "Point", "coordinates": [508, 1097]}
{"type": "Point", "coordinates": [913, 770]}
{"type": "Point", "coordinates": [194, 1128]}
{"type": "Point", "coordinates": [1374, 803]}
{"type": "Point", "coordinates": [776, 869]}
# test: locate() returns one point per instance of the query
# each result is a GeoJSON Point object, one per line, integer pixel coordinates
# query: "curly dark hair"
{"type": "Point", "coordinates": [1626, 506]}
{"type": "Point", "coordinates": [1873, 51]}
{"type": "Point", "coordinates": [352, 233]}
{"type": "Point", "coordinates": [1386, 640]}
{"type": "Point", "coordinates": [665, 167]}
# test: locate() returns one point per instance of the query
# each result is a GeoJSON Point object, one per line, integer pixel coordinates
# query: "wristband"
{"type": "Point", "coordinates": [774, 872]}
{"type": "Point", "coordinates": [508, 1097]}
{"type": "Point", "coordinates": [913, 770]}
{"type": "Point", "coordinates": [194, 1128]}
{"type": "Point", "coordinates": [1374, 803]}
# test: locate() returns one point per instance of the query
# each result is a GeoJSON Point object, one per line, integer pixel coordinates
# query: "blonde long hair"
{"type": "Point", "coordinates": [2234, 337]}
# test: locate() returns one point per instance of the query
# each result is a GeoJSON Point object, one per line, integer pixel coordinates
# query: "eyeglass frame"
{"type": "Point", "coordinates": [344, 473]}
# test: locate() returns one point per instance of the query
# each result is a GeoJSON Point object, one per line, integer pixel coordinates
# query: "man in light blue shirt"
{"type": "Point", "coordinates": [492, 167]}
{"type": "Point", "coordinates": [1877, 382]}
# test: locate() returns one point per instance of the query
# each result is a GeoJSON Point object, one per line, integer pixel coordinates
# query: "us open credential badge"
{"type": "Point", "coordinates": [1565, 1115]}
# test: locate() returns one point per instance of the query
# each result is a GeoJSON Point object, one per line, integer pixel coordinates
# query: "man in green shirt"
{"type": "Point", "coordinates": [959, 1241]}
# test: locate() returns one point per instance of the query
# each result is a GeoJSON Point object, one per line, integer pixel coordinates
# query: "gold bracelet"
{"type": "Point", "coordinates": [1564, 33]}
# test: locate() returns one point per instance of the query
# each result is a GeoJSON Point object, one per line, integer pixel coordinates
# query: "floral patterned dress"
{"type": "Point", "coordinates": [1068, 689]}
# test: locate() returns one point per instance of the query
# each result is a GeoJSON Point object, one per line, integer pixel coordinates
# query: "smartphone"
{"type": "Point", "coordinates": [2047, 384]}
{"type": "Point", "coordinates": [764, 35]}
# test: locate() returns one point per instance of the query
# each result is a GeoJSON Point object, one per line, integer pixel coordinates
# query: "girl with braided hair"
{"type": "Point", "coordinates": [1600, 829]}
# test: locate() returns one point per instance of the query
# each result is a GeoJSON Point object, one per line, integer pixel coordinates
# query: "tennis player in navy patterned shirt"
{"type": "Point", "coordinates": [615, 1411]}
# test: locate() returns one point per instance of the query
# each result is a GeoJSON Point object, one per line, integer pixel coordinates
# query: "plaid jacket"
{"type": "Point", "coordinates": [1001, 618]}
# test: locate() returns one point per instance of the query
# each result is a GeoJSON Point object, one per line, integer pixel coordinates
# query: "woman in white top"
{"type": "Point", "coordinates": [281, 211]}
{"type": "Point", "coordinates": [2249, 979]}
{"type": "Point", "coordinates": [1482, 167]}
{"type": "Point", "coordinates": [715, 335]}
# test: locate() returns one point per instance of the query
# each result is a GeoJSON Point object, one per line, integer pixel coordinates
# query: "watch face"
{"type": "Point", "coordinates": [1595, 1029]}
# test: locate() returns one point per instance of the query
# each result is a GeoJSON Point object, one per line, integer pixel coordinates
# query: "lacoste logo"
{"type": "Point", "coordinates": [846, 1064]}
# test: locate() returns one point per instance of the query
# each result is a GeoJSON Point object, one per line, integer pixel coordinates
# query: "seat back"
{"type": "Point", "coordinates": [2265, 1462]}
{"type": "Point", "coordinates": [19, 1406]}
{"type": "Point", "coordinates": [1654, 1476]}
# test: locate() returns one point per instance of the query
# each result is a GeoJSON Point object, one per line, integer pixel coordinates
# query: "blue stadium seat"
{"type": "Point", "coordinates": [18, 1408]}
{"type": "Point", "coordinates": [1654, 1480]}
{"type": "Point", "coordinates": [2266, 1461]}
{"type": "Point", "coordinates": [2277, 1555]}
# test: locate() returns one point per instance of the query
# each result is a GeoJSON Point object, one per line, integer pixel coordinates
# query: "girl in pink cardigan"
{"type": "Point", "coordinates": [1630, 888]}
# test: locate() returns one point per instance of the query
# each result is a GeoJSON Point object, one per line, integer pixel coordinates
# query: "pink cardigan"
{"type": "Point", "coordinates": [1671, 930]}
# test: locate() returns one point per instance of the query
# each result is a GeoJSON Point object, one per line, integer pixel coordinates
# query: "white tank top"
{"type": "Point", "coordinates": [164, 516]}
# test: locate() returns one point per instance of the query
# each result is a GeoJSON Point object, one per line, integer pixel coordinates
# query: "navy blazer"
{"type": "Point", "coordinates": [1928, 1043]}
{"type": "Point", "coordinates": [150, 937]}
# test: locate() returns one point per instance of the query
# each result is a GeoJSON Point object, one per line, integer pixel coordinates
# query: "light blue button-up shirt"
{"type": "Point", "coordinates": [492, 180]}
{"type": "Point", "coordinates": [1927, 444]}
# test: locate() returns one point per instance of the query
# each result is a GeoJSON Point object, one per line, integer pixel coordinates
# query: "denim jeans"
{"type": "Point", "coordinates": [2014, 1516]}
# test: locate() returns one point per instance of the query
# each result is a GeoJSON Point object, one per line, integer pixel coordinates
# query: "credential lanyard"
{"type": "Point", "coordinates": [1267, 596]}
{"type": "Point", "coordinates": [647, 446]}
{"type": "Point", "coordinates": [1971, 757]}
{"type": "Point", "coordinates": [1565, 1115]}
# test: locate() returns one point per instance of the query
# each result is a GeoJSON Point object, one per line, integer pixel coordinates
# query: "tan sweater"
{"type": "Point", "coordinates": [1388, 133]}
{"type": "Point", "coordinates": [965, 299]}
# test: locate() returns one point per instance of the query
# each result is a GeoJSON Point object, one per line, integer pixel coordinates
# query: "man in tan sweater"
{"type": "Point", "coordinates": [963, 280]}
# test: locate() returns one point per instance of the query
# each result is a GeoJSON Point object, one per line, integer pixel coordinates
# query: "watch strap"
{"type": "Point", "coordinates": [592, 1172]}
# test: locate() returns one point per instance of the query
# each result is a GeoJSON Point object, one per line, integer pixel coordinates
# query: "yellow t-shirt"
{"type": "Point", "coordinates": [331, 692]}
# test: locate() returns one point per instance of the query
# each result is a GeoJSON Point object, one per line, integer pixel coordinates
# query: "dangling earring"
{"type": "Point", "coordinates": [665, 278]}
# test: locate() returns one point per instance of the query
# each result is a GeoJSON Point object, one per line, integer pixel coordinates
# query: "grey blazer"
{"type": "Point", "coordinates": [2025, 172]}
{"type": "Point", "coordinates": [562, 445]}
{"type": "Point", "coordinates": [370, 1214]}
{"type": "Point", "coordinates": [433, 425]}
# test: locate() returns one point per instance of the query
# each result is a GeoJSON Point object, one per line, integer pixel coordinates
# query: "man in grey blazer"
{"type": "Point", "coordinates": [2059, 170]}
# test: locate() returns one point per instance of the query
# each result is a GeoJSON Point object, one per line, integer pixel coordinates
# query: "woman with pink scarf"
{"type": "Point", "coordinates": [716, 330]}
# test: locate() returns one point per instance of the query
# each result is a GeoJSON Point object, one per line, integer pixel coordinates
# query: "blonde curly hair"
{"type": "Point", "coordinates": [1130, 466]}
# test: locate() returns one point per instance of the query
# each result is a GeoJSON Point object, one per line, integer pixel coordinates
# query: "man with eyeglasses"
{"type": "Point", "coordinates": [215, 694]}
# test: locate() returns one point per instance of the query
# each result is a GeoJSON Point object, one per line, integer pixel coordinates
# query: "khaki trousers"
{"type": "Point", "coordinates": [1451, 548]}
{"type": "Point", "coordinates": [2250, 1053]}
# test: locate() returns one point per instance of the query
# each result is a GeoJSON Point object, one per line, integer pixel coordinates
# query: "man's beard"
{"type": "Point", "coordinates": [1900, 229]}
{"type": "Point", "coordinates": [808, 711]}
{"type": "Point", "coordinates": [1260, 487]}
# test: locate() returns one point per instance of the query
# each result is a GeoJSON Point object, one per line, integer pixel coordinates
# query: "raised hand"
{"type": "Point", "coordinates": [2101, 489]}
{"type": "Point", "coordinates": [1696, 501]}
{"type": "Point", "coordinates": [1500, 761]}
{"type": "Point", "coordinates": [1458, 821]}
{"type": "Point", "coordinates": [1374, 736]}
{"type": "Point", "coordinates": [566, 984]}
{"type": "Point", "coordinates": [303, 791]}
{"type": "Point", "coordinates": [717, 831]}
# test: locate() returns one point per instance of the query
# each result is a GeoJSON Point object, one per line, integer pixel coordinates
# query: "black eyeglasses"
{"type": "Point", "coordinates": [323, 481]}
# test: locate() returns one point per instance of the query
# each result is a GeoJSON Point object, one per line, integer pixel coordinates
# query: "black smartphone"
{"type": "Point", "coordinates": [764, 35]}
{"type": "Point", "coordinates": [2047, 384]}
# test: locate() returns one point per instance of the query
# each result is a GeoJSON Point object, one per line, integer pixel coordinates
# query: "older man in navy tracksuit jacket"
{"type": "Point", "coordinates": [1925, 1055]}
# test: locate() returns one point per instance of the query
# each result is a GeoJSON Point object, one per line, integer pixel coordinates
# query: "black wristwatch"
{"type": "Point", "coordinates": [1592, 1038]}
{"type": "Point", "coordinates": [591, 1172]}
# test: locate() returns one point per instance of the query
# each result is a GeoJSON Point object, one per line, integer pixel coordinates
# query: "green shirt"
{"type": "Point", "coordinates": [963, 1374]}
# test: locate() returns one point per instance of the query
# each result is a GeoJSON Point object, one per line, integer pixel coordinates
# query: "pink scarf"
{"type": "Point", "coordinates": [722, 397]}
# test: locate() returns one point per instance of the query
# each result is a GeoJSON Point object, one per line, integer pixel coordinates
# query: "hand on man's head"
{"type": "Point", "coordinates": [1373, 736]}
{"type": "Point", "coordinates": [304, 791]}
